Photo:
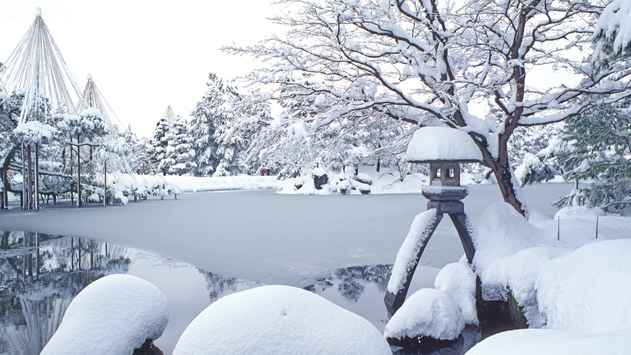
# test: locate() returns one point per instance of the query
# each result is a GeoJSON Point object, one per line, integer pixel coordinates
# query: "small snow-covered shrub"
{"type": "Point", "coordinates": [363, 178]}
{"type": "Point", "coordinates": [344, 187]}
{"type": "Point", "coordinates": [363, 188]}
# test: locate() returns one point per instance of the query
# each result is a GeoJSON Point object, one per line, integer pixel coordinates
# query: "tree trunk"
{"type": "Point", "coordinates": [506, 181]}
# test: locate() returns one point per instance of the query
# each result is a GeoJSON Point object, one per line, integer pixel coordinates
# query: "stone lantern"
{"type": "Point", "coordinates": [444, 149]}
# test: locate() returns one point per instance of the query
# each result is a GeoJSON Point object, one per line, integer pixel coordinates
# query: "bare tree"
{"type": "Point", "coordinates": [430, 62]}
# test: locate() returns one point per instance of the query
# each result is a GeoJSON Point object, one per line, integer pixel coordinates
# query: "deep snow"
{"type": "Point", "coordinates": [112, 316]}
{"type": "Point", "coordinates": [279, 320]}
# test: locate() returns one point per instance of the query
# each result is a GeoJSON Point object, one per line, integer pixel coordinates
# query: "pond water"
{"type": "Point", "coordinates": [40, 274]}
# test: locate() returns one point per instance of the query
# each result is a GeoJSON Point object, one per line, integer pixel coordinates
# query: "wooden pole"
{"type": "Point", "coordinates": [105, 184]}
{"type": "Point", "coordinates": [29, 186]}
{"type": "Point", "coordinates": [24, 179]}
{"type": "Point", "coordinates": [596, 227]}
{"type": "Point", "coordinates": [78, 170]}
{"type": "Point", "coordinates": [71, 190]}
{"type": "Point", "coordinates": [36, 187]}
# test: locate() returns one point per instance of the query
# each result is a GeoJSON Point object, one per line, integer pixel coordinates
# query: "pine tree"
{"type": "Point", "coordinates": [597, 147]}
{"type": "Point", "coordinates": [158, 146]}
{"type": "Point", "coordinates": [208, 114]}
{"type": "Point", "coordinates": [179, 153]}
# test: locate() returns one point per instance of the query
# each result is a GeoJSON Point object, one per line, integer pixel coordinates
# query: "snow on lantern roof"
{"type": "Point", "coordinates": [432, 144]}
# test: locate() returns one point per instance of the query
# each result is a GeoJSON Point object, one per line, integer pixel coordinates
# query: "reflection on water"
{"type": "Point", "coordinates": [361, 290]}
{"type": "Point", "coordinates": [40, 274]}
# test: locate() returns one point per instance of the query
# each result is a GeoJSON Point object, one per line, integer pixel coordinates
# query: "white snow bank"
{"type": "Point", "coordinates": [553, 342]}
{"type": "Point", "coordinates": [502, 232]}
{"type": "Point", "coordinates": [442, 143]}
{"type": "Point", "coordinates": [112, 316]}
{"type": "Point", "coordinates": [239, 182]}
{"type": "Point", "coordinates": [588, 290]}
{"type": "Point", "coordinates": [279, 320]}
{"type": "Point", "coordinates": [578, 212]}
{"type": "Point", "coordinates": [458, 281]}
{"type": "Point", "coordinates": [407, 255]}
{"type": "Point", "coordinates": [428, 312]}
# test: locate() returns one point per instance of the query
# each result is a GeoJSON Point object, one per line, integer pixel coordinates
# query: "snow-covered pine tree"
{"type": "Point", "coordinates": [205, 118]}
{"type": "Point", "coordinates": [158, 146]}
{"type": "Point", "coordinates": [179, 151]}
{"type": "Point", "coordinates": [533, 153]}
{"type": "Point", "coordinates": [138, 156]}
{"type": "Point", "coordinates": [613, 34]}
{"type": "Point", "coordinates": [597, 149]}
{"type": "Point", "coordinates": [239, 131]}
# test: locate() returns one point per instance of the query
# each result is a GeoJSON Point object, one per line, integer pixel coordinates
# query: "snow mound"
{"type": "Point", "coordinates": [112, 316]}
{"type": "Point", "coordinates": [442, 143]}
{"type": "Point", "coordinates": [588, 290]}
{"type": "Point", "coordinates": [279, 320]}
{"type": "Point", "coordinates": [428, 312]}
{"type": "Point", "coordinates": [553, 342]}
{"type": "Point", "coordinates": [458, 281]}
{"type": "Point", "coordinates": [578, 212]}
{"type": "Point", "coordinates": [502, 232]}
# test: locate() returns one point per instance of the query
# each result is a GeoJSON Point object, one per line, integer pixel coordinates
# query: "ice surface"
{"type": "Point", "coordinates": [272, 238]}
{"type": "Point", "coordinates": [442, 143]}
{"type": "Point", "coordinates": [112, 316]}
{"type": "Point", "coordinates": [279, 320]}
{"type": "Point", "coordinates": [428, 312]}
{"type": "Point", "coordinates": [458, 281]}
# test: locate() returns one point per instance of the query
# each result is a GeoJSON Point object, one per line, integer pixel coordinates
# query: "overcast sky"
{"type": "Point", "coordinates": [144, 55]}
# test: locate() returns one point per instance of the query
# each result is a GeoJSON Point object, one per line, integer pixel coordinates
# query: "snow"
{"type": "Point", "coordinates": [279, 320]}
{"type": "Point", "coordinates": [113, 315]}
{"type": "Point", "coordinates": [458, 281]}
{"type": "Point", "coordinates": [34, 131]}
{"type": "Point", "coordinates": [577, 287]}
{"type": "Point", "coordinates": [408, 253]}
{"type": "Point", "coordinates": [442, 143]}
{"type": "Point", "coordinates": [614, 21]}
{"type": "Point", "coordinates": [588, 290]}
{"type": "Point", "coordinates": [553, 342]}
{"type": "Point", "coordinates": [428, 312]}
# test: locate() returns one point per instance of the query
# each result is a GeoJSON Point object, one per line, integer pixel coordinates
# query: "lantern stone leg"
{"type": "Point", "coordinates": [394, 300]}
{"type": "Point", "coordinates": [461, 220]}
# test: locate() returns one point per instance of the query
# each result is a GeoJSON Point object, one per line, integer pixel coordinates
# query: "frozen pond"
{"type": "Point", "coordinates": [267, 237]}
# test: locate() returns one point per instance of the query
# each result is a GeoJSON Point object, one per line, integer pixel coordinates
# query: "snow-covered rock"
{"type": "Point", "coordinates": [553, 342]}
{"type": "Point", "coordinates": [458, 281]}
{"type": "Point", "coordinates": [112, 316]}
{"type": "Point", "coordinates": [428, 313]}
{"type": "Point", "coordinates": [279, 320]}
{"type": "Point", "coordinates": [588, 290]}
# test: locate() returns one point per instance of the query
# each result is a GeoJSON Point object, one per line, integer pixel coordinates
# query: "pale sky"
{"type": "Point", "coordinates": [144, 55]}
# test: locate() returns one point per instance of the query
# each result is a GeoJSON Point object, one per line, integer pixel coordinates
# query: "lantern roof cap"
{"type": "Point", "coordinates": [442, 144]}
